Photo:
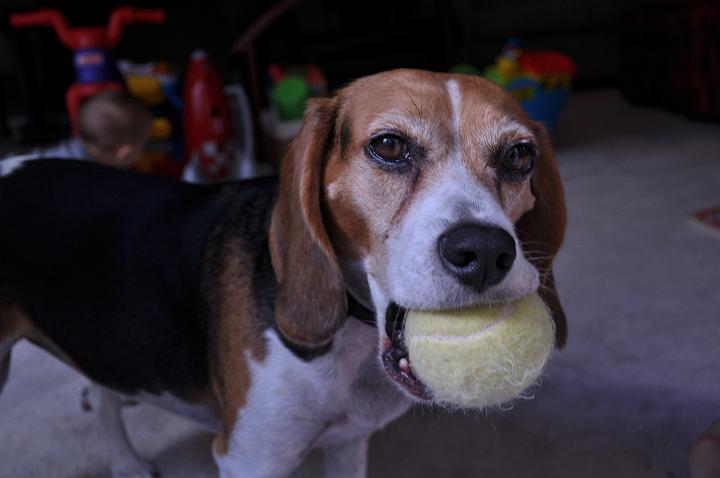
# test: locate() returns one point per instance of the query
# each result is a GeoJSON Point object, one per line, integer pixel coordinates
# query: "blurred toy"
{"type": "Point", "coordinates": [156, 85]}
{"type": "Point", "coordinates": [310, 74]}
{"type": "Point", "coordinates": [244, 46]}
{"type": "Point", "coordinates": [288, 90]}
{"type": "Point", "coordinates": [246, 164]}
{"type": "Point", "coordinates": [506, 67]}
{"type": "Point", "coordinates": [289, 97]}
{"type": "Point", "coordinates": [154, 82]}
{"type": "Point", "coordinates": [207, 122]}
{"type": "Point", "coordinates": [539, 79]}
{"type": "Point", "coordinates": [95, 68]}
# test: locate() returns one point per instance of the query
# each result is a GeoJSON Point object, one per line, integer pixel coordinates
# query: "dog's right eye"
{"type": "Point", "coordinates": [518, 160]}
{"type": "Point", "coordinates": [390, 148]}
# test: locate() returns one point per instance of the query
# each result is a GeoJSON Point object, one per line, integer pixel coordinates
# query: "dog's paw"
{"type": "Point", "coordinates": [134, 468]}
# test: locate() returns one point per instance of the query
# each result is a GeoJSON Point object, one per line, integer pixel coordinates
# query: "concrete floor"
{"type": "Point", "coordinates": [639, 379]}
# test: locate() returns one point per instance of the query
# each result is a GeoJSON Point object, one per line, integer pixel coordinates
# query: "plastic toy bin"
{"type": "Point", "coordinates": [544, 84]}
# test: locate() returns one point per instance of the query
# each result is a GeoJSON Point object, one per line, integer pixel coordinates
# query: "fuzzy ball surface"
{"type": "Point", "coordinates": [480, 357]}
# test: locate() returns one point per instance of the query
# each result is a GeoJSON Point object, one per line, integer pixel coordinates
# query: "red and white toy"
{"type": "Point", "coordinates": [208, 127]}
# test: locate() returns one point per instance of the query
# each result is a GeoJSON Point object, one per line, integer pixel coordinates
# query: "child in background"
{"type": "Point", "coordinates": [113, 130]}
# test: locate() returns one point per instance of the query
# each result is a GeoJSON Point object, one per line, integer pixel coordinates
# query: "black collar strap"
{"type": "Point", "coordinates": [360, 312]}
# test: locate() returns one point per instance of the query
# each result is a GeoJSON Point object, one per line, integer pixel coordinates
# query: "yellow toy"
{"type": "Point", "coordinates": [480, 357]}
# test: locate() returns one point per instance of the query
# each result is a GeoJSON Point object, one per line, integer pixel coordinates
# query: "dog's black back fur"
{"type": "Point", "coordinates": [109, 265]}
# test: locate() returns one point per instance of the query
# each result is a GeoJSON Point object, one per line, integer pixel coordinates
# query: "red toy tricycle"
{"type": "Point", "coordinates": [95, 68]}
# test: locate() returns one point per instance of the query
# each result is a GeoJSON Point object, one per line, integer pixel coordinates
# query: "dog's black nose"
{"type": "Point", "coordinates": [478, 255]}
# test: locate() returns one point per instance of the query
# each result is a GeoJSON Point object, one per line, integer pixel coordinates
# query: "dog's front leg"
{"type": "Point", "coordinates": [264, 445]}
{"type": "Point", "coordinates": [347, 459]}
{"type": "Point", "coordinates": [124, 462]}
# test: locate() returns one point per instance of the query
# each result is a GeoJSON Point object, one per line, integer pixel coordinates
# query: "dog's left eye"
{"type": "Point", "coordinates": [519, 159]}
{"type": "Point", "coordinates": [389, 147]}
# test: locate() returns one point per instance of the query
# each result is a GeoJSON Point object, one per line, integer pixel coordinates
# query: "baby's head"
{"type": "Point", "coordinates": [114, 128]}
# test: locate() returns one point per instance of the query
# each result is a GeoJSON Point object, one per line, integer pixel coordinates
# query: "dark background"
{"type": "Point", "coordinates": [613, 42]}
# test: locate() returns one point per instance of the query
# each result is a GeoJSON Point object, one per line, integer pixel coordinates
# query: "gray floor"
{"type": "Point", "coordinates": [639, 379]}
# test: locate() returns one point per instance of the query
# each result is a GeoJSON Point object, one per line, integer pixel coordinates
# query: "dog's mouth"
{"type": "Point", "coordinates": [395, 356]}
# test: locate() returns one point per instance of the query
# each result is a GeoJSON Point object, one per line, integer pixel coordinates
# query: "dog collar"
{"type": "Point", "coordinates": [360, 312]}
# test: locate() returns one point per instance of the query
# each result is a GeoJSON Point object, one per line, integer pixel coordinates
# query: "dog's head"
{"type": "Point", "coordinates": [435, 189]}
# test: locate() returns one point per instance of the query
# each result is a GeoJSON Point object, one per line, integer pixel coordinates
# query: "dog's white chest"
{"type": "Point", "coordinates": [299, 405]}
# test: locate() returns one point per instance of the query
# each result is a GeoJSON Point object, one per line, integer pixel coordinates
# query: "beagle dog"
{"type": "Point", "coordinates": [258, 308]}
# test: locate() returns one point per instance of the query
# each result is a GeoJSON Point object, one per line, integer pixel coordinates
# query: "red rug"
{"type": "Point", "coordinates": [709, 219]}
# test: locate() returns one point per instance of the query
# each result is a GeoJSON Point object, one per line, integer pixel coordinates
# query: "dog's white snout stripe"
{"type": "Point", "coordinates": [455, 104]}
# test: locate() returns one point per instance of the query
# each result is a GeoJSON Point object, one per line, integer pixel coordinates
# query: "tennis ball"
{"type": "Point", "coordinates": [482, 356]}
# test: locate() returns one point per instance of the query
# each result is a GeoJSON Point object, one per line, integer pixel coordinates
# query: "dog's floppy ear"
{"type": "Point", "coordinates": [311, 304]}
{"type": "Point", "coordinates": [542, 229]}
